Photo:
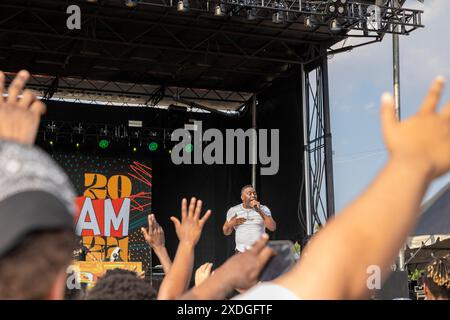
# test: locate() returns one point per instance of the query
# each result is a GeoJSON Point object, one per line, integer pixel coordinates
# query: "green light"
{"type": "Point", "coordinates": [51, 143]}
{"type": "Point", "coordinates": [153, 146]}
{"type": "Point", "coordinates": [77, 145]}
{"type": "Point", "coordinates": [134, 149]}
{"type": "Point", "coordinates": [103, 143]}
{"type": "Point", "coordinates": [188, 148]}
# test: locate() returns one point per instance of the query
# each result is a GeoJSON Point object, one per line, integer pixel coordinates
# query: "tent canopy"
{"type": "Point", "coordinates": [435, 219]}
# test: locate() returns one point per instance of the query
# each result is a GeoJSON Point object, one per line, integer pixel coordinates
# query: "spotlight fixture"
{"type": "Point", "coordinates": [77, 137]}
{"type": "Point", "coordinates": [335, 26]}
{"type": "Point", "coordinates": [337, 7]}
{"type": "Point", "coordinates": [219, 10]}
{"type": "Point", "coordinates": [278, 17]}
{"type": "Point", "coordinates": [251, 14]}
{"type": "Point", "coordinates": [103, 143]}
{"type": "Point", "coordinates": [131, 3]}
{"type": "Point", "coordinates": [103, 138]}
{"type": "Point", "coordinates": [310, 22]}
{"type": "Point", "coordinates": [183, 5]}
{"type": "Point", "coordinates": [50, 134]}
{"type": "Point", "coordinates": [134, 140]}
{"type": "Point", "coordinates": [153, 146]}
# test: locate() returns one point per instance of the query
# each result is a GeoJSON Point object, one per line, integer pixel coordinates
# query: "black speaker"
{"type": "Point", "coordinates": [395, 287]}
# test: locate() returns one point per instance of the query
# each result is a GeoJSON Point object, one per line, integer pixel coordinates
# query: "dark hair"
{"type": "Point", "coordinates": [119, 284]}
{"type": "Point", "coordinates": [437, 277]}
{"type": "Point", "coordinates": [246, 186]}
{"type": "Point", "coordinates": [29, 270]}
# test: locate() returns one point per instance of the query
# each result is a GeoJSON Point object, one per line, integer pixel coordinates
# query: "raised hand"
{"type": "Point", "coordinates": [424, 137]}
{"type": "Point", "coordinates": [243, 269]}
{"type": "Point", "coordinates": [190, 228]}
{"type": "Point", "coordinates": [19, 117]}
{"type": "Point", "coordinates": [154, 234]}
{"type": "Point", "coordinates": [202, 273]}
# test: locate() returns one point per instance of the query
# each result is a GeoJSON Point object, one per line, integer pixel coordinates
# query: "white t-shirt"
{"type": "Point", "coordinates": [267, 291]}
{"type": "Point", "coordinates": [252, 229]}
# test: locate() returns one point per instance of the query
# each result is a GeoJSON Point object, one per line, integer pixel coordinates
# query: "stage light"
{"type": "Point", "coordinates": [77, 137]}
{"type": "Point", "coordinates": [135, 149]}
{"type": "Point", "coordinates": [278, 17]}
{"type": "Point", "coordinates": [251, 14]}
{"type": "Point", "coordinates": [153, 146]}
{"type": "Point", "coordinates": [310, 22]}
{"type": "Point", "coordinates": [335, 26]}
{"type": "Point", "coordinates": [131, 3]}
{"type": "Point", "coordinates": [92, 1]}
{"type": "Point", "coordinates": [337, 7]}
{"type": "Point", "coordinates": [104, 143]}
{"type": "Point", "coordinates": [188, 148]}
{"type": "Point", "coordinates": [219, 11]}
{"type": "Point", "coordinates": [183, 5]}
{"type": "Point", "coordinates": [51, 143]}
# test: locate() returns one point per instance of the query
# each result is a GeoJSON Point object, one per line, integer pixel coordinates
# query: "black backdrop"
{"type": "Point", "coordinates": [217, 185]}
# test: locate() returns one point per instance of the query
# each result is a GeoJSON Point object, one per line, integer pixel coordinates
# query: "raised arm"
{"type": "Point", "coordinates": [188, 231]}
{"type": "Point", "coordinates": [154, 235]}
{"type": "Point", "coordinates": [370, 231]}
{"type": "Point", "coordinates": [20, 116]}
{"type": "Point", "coordinates": [240, 271]}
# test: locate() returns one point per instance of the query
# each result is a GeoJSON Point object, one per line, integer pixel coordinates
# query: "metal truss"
{"type": "Point", "coordinates": [271, 36]}
{"type": "Point", "coordinates": [97, 92]}
{"type": "Point", "coordinates": [66, 132]}
{"type": "Point", "coordinates": [317, 145]}
{"type": "Point", "coordinates": [358, 15]}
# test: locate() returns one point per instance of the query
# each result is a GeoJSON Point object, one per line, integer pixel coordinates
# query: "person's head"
{"type": "Point", "coordinates": [36, 268]}
{"type": "Point", "coordinates": [36, 224]}
{"type": "Point", "coordinates": [437, 279]}
{"type": "Point", "coordinates": [248, 194]}
{"type": "Point", "coordinates": [119, 284]}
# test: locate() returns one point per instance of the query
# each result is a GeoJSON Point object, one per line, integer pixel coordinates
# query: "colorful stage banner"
{"type": "Point", "coordinates": [114, 200]}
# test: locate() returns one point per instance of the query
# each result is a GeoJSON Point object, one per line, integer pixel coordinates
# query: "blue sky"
{"type": "Point", "coordinates": [357, 80]}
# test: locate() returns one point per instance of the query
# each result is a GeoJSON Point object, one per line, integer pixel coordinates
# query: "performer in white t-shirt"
{"type": "Point", "coordinates": [249, 219]}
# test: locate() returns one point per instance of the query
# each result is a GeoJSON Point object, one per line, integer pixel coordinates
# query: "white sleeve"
{"type": "Point", "coordinates": [267, 291]}
{"type": "Point", "coordinates": [266, 211]}
{"type": "Point", "coordinates": [230, 214]}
